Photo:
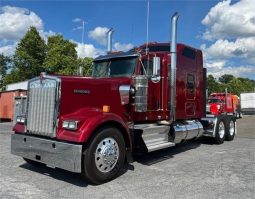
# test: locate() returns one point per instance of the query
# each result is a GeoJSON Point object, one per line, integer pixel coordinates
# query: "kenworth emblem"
{"type": "Point", "coordinates": [77, 91]}
{"type": "Point", "coordinates": [43, 83]}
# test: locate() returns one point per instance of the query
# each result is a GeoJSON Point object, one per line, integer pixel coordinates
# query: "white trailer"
{"type": "Point", "coordinates": [247, 101]}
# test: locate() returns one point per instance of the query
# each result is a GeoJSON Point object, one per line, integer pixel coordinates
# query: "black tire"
{"type": "Point", "coordinates": [231, 130]}
{"type": "Point", "coordinates": [98, 170]}
{"type": "Point", "coordinates": [220, 133]}
{"type": "Point", "coordinates": [34, 163]}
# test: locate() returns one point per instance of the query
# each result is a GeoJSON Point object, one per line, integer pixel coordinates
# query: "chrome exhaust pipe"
{"type": "Point", "coordinates": [172, 70]}
{"type": "Point", "coordinates": [109, 40]}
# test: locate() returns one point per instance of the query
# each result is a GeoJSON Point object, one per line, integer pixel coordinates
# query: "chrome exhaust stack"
{"type": "Point", "coordinates": [172, 70]}
{"type": "Point", "coordinates": [109, 40]}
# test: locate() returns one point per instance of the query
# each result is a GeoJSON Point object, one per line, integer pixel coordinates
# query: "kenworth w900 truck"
{"type": "Point", "coordinates": [146, 99]}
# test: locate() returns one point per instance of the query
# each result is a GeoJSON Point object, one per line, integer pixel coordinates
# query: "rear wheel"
{"type": "Point", "coordinates": [104, 158]}
{"type": "Point", "coordinates": [220, 131]}
{"type": "Point", "coordinates": [231, 131]}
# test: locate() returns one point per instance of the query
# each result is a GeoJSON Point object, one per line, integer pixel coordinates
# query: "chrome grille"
{"type": "Point", "coordinates": [42, 102]}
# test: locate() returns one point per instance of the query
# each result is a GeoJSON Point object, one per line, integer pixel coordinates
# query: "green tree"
{"type": "Point", "coordinates": [212, 85]}
{"type": "Point", "coordinates": [4, 65]}
{"type": "Point", "coordinates": [86, 64]}
{"type": "Point", "coordinates": [226, 78]}
{"type": "Point", "coordinates": [13, 76]}
{"type": "Point", "coordinates": [233, 84]}
{"type": "Point", "coordinates": [247, 84]}
{"type": "Point", "coordinates": [61, 56]}
{"type": "Point", "coordinates": [29, 56]}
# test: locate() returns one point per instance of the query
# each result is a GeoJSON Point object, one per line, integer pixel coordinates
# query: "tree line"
{"type": "Point", "coordinates": [234, 85]}
{"type": "Point", "coordinates": [58, 56]}
{"type": "Point", "coordinates": [33, 56]}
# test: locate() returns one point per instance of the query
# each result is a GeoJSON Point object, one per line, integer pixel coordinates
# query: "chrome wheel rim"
{"type": "Point", "coordinates": [106, 155]}
{"type": "Point", "coordinates": [221, 129]}
{"type": "Point", "coordinates": [231, 128]}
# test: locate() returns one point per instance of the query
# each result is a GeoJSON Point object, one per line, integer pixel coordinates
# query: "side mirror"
{"type": "Point", "coordinates": [156, 66]}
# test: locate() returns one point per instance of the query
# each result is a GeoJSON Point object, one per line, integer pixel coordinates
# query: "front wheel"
{"type": "Point", "coordinates": [104, 158]}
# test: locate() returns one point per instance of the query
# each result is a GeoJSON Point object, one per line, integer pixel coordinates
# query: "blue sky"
{"type": "Point", "coordinates": [224, 36]}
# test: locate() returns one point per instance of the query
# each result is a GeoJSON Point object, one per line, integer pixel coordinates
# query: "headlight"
{"type": "Point", "coordinates": [70, 125]}
{"type": "Point", "coordinates": [20, 119]}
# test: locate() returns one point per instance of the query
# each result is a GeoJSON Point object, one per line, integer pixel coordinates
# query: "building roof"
{"type": "Point", "coordinates": [17, 86]}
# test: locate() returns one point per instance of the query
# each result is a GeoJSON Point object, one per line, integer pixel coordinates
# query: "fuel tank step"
{"type": "Point", "coordinates": [155, 136]}
{"type": "Point", "coordinates": [159, 146]}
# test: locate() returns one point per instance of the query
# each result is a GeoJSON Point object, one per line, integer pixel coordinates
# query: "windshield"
{"type": "Point", "coordinates": [122, 67]}
{"type": "Point", "coordinates": [214, 101]}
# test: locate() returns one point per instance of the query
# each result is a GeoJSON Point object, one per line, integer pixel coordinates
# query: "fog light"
{"type": "Point", "coordinates": [70, 125]}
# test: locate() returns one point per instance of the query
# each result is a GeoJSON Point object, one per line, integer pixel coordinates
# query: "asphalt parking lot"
{"type": "Point", "coordinates": [198, 169]}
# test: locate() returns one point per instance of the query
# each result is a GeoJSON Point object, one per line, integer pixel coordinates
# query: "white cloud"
{"type": "Point", "coordinates": [8, 50]}
{"type": "Point", "coordinates": [46, 34]}
{"type": "Point", "coordinates": [88, 50]}
{"type": "Point", "coordinates": [77, 28]}
{"type": "Point", "coordinates": [215, 64]}
{"type": "Point", "coordinates": [237, 71]}
{"type": "Point", "coordinates": [77, 20]}
{"type": "Point", "coordinates": [122, 47]}
{"type": "Point", "coordinates": [14, 22]}
{"type": "Point", "coordinates": [242, 48]}
{"type": "Point", "coordinates": [227, 20]}
{"type": "Point", "coordinates": [99, 34]}
{"type": "Point", "coordinates": [230, 32]}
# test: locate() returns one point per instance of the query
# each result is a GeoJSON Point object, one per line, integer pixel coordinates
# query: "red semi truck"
{"type": "Point", "coordinates": [223, 103]}
{"type": "Point", "coordinates": [146, 99]}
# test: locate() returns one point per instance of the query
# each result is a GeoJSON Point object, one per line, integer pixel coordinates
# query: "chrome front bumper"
{"type": "Point", "coordinates": [50, 152]}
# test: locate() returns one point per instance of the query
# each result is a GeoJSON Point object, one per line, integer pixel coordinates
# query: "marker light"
{"type": "Point", "coordinates": [106, 109]}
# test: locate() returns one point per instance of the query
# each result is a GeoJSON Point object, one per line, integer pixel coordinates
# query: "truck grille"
{"type": "Point", "coordinates": [42, 103]}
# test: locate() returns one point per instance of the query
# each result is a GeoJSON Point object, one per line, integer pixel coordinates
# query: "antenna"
{"type": "Point", "coordinates": [147, 26]}
{"type": "Point", "coordinates": [82, 36]}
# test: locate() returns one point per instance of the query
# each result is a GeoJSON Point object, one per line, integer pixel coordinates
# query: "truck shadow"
{"type": "Point", "coordinates": [58, 174]}
{"type": "Point", "coordinates": [165, 154]}
{"type": "Point", "coordinates": [145, 159]}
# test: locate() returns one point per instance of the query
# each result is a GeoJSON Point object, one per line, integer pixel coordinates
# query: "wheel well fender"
{"type": "Point", "coordinates": [114, 124]}
{"type": "Point", "coordinates": [102, 120]}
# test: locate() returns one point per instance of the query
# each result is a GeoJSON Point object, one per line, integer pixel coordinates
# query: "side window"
{"type": "Point", "coordinates": [148, 66]}
{"type": "Point", "coordinates": [190, 84]}
{"type": "Point", "coordinates": [189, 53]}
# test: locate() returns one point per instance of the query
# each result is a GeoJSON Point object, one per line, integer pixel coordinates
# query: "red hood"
{"type": "Point", "coordinates": [82, 92]}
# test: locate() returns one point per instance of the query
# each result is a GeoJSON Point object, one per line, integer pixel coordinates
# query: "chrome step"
{"type": "Point", "coordinates": [159, 146]}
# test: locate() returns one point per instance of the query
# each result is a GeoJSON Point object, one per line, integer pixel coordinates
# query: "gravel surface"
{"type": "Point", "coordinates": [198, 169]}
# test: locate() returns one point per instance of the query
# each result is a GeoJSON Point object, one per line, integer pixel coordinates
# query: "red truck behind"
{"type": "Point", "coordinates": [223, 103]}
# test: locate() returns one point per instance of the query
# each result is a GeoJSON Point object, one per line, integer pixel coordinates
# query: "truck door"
{"type": "Point", "coordinates": [154, 89]}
